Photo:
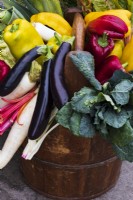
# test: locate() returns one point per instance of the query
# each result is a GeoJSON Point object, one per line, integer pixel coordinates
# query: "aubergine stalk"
{"type": "Point", "coordinates": [43, 106]}
{"type": "Point", "coordinates": [16, 73]}
{"type": "Point", "coordinates": [57, 84]}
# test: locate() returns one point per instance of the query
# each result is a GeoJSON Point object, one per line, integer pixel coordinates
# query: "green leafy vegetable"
{"type": "Point", "coordinates": [79, 124]}
{"type": "Point", "coordinates": [106, 109]}
{"type": "Point", "coordinates": [123, 4]}
{"type": "Point", "coordinates": [115, 119]}
{"type": "Point", "coordinates": [85, 64]}
{"type": "Point", "coordinates": [103, 5]}
{"type": "Point", "coordinates": [123, 135]}
{"type": "Point", "coordinates": [121, 92]}
{"type": "Point", "coordinates": [5, 54]}
{"type": "Point", "coordinates": [64, 114]}
{"type": "Point", "coordinates": [75, 119]}
{"type": "Point", "coordinates": [87, 128]}
{"type": "Point", "coordinates": [124, 152]}
{"type": "Point", "coordinates": [118, 76]}
{"type": "Point", "coordinates": [84, 100]}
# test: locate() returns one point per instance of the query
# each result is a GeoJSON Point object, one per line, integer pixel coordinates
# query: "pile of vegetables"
{"type": "Point", "coordinates": [34, 99]}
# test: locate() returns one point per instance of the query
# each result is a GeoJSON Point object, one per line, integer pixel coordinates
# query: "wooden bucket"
{"type": "Point", "coordinates": [68, 167]}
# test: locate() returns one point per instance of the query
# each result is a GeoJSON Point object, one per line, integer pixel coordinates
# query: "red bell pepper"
{"type": "Point", "coordinates": [4, 69]}
{"type": "Point", "coordinates": [112, 25]}
{"type": "Point", "coordinates": [100, 47]}
{"type": "Point", "coordinates": [107, 68]}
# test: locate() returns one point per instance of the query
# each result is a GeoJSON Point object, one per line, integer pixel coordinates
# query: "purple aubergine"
{"type": "Point", "coordinates": [43, 106]}
{"type": "Point", "coordinates": [58, 87]}
{"type": "Point", "coordinates": [15, 75]}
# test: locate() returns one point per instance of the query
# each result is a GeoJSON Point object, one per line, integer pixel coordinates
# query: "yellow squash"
{"type": "Point", "coordinates": [54, 21]}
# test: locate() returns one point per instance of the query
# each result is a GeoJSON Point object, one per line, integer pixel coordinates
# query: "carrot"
{"type": "Point", "coordinates": [17, 134]}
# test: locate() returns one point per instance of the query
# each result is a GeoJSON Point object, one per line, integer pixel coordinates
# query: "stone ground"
{"type": "Point", "coordinates": [13, 187]}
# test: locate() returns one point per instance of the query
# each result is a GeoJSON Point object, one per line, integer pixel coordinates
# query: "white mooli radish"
{"type": "Point", "coordinates": [45, 32]}
{"type": "Point", "coordinates": [23, 87]}
{"type": "Point", "coordinates": [17, 133]}
{"type": "Point", "coordinates": [33, 146]}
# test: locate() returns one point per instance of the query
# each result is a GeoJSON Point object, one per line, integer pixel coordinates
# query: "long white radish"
{"type": "Point", "coordinates": [45, 32]}
{"type": "Point", "coordinates": [23, 87]}
{"type": "Point", "coordinates": [38, 143]}
{"type": "Point", "coordinates": [33, 146]}
{"type": "Point", "coordinates": [17, 133]}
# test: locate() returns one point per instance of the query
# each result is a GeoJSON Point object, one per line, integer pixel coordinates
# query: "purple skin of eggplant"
{"type": "Point", "coordinates": [58, 87]}
{"type": "Point", "coordinates": [107, 68]}
{"type": "Point", "coordinates": [15, 75]}
{"type": "Point", "coordinates": [43, 106]}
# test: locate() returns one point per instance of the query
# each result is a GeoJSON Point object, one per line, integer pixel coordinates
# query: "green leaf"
{"type": "Point", "coordinates": [102, 129]}
{"type": "Point", "coordinates": [19, 7]}
{"type": "Point", "coordinates": [103, 5]}
{"type": "Point", "coordinates": [121, 92]}
{"type": "Point", "coordinates": [121, 136]}
{"type": "Point", "coordinates": [101, 126]}
{"type": "Point", "coordinates": [115, 119]}
{"type": "Point", "coordinates": [107, 98]}
{"type": "Point", "coordinates": [118, 76]}
{"type": "Point", "coordinates": [75, 119]}
{"type": "Point", "coordinates": [79, 124]}
{"type": "Point", "coordinates": [84, 100]}
{"type": "Point", "coordinates": [123, 4]}
{"type": "Point", "coordinates": [130, 5]}
{"type": "Point", "coordinates": [64, 114]}
{"type": "Point", "coordinates": [87, 128]}
{"type": "Point", "coordinates": [125, 152]}
{"type": "Point", "coordinates": [84, 61]}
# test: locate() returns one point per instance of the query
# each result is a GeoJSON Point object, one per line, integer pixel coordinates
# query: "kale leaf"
{"type": "Point", "coordinates": [104, 109]}
{"type": "Point", "coordinates": [85, 64]}
{"type": "Point", "coordinates": [121, 136]}
{"type": "Point", "coordinates": [121, 92]}
{"type": "Point", "coordinates": [124, 152]}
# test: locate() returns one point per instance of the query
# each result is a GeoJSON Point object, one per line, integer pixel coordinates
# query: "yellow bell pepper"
{"type": "Point", "coordinates": [118, 48]}
{"type": "Point", "coordinates": [125, 15]}
{"type": "Point", "coordinates": [21, 37]}
{"type": "Point", "coordinates": [54, 21]}
{"type": "Point", "coordinates": [57, 40]}
{"type": "Point", "coordinates": [127, 55]}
